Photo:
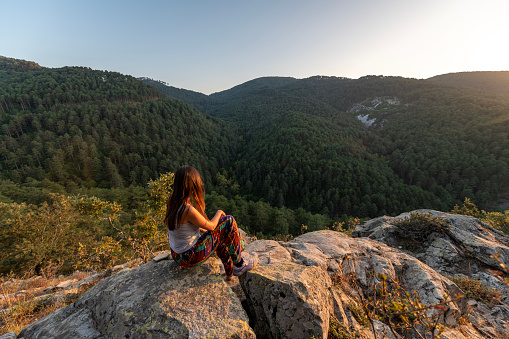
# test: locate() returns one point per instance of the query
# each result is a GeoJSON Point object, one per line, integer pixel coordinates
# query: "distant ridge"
{"type": "Point", "coordinates": [493, 82]}
{"type": "Point", "coordinates": [252, 85]}
{"type": "Point", "coordinates": [196, 99]}
{"type": "Point", "coordinates": [11, 63]}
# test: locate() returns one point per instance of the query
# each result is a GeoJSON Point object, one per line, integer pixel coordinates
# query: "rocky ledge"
{"type": "Point", "coordinates": [298, 288]}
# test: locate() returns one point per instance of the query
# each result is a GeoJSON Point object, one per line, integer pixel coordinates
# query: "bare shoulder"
{"type": "Point", "coordinates": [189, 213]}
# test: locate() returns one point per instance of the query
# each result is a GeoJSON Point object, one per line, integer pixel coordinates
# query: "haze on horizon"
{"type": "Point", "coordinates": [209, 46]}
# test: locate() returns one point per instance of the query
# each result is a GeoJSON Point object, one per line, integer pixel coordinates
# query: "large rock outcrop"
{"type": "Point", "coordinates": [292, 289]}
{"type": "Point", "coordinates": [465, 246]}
{"type": "Point", "coordinates": [286, 299]}
{"type": "Point", "coordinates": [155, 300]}
{"type": "Point", "coordinates": [297, 290]}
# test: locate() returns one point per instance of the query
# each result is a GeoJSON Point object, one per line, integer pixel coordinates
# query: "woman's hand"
{"type": "Point", "coordinates": [221, 214]}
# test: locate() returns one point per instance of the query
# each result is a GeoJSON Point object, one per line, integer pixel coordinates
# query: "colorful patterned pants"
{"type": "Point", "coordinates": [225, 239]}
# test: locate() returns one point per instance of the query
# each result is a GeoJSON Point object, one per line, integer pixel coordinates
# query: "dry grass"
{"type": "Point", "coordinates": [474, 289]}
{"type": "Point", "coordinates": [19, 305]}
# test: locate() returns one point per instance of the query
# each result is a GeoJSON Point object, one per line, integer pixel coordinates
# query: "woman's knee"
{"type": "Point", "coordinates": [228, 217]}
{"type": "Point", "coordinates": [228, 222]}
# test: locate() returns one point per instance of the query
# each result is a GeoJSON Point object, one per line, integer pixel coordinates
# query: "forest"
{"type": "Point", "coordinates": [283, 155]}
{"type": "Point", "coordinates": [431, 144]}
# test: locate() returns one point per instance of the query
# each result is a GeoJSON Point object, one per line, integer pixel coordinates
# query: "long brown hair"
{"type": "Point", "coordinates": [187, 188]}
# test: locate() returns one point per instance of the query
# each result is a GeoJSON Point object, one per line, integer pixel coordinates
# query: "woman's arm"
{"type": "Point", "coordinates": [193, 216]}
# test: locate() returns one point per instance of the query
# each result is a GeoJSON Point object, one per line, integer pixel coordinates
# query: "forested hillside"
{"type": "Point", "coordinates": [77, 126]}
{"type": "Point", "coordinates": [491, 82]}
{"type": "Point", "coordinates": [419, 144]}
{"type": "Point", "coordinates": [334, 146]}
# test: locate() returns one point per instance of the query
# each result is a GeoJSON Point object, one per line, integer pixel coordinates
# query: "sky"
{"type": "Point", "coordinates": [210, 46]}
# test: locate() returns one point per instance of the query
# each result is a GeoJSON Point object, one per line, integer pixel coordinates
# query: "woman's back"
{"type": "Point", "coordinates": [183, 237]}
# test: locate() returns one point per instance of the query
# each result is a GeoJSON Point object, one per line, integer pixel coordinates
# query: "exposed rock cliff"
{"type": "Point", "coordinates": [298, 289]}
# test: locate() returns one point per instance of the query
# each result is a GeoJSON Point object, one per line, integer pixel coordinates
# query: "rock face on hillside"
{"type": "Point", "coordinates": [297, 290]}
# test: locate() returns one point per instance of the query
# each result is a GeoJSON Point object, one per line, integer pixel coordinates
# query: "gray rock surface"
{"type": "Point", "coordinates": [295, 289]}
{"type": "Point", "coordinates": [466, 245]}
{"type": "Point", "coordinates": [155, 300]}
{"type": "Point", "coordinates": [362, 257]}
{"type": "Point", "coordinates": [466, 248]}
{"type": "Point", "coordinates": [285, 299]}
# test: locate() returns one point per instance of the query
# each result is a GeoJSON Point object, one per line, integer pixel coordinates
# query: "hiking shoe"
{"type": "Point", "coordinates": [249, 264]}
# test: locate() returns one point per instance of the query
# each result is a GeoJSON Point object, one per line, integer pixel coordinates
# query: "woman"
{"type": "Point", "coordinates": [185, 218]}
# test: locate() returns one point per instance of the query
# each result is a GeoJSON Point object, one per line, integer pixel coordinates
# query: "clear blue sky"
{"type": "Point", "coordinates": [209, 46]}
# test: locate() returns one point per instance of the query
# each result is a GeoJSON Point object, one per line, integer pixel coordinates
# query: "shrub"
{"type": "Point", "coordinates": [33, 238]}
{"type": "Point", "coordinates": [474, 289]}
{"type": "Point", "coordinates": [497, 220]}
{"type": "Point", "coordinates": [418, 226]}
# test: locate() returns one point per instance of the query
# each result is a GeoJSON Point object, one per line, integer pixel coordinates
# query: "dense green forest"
{"type": "Point", "coordinates": [429, 144]}
{"type": "Point", "coordinates": [292, 146]}
{"type": "Point", "coordinates": [80, 127]}
{"type": "Point", "coordinates": [86, 156]}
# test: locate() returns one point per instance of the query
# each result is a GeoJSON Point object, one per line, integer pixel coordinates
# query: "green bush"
{"type": "Point", "coordinates": [418, 226]}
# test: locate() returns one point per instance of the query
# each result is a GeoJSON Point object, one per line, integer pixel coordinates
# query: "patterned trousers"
{"type": "Point", "coordinates": [225, 240]}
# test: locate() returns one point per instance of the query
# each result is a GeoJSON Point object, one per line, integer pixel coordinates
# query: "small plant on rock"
{"type": "Point", "coordinates": [339, 331]}
{"type": "Point", "coordinates": [404, 313]}
{"type": "Point", "coordinates": [418, 226]}
{"type": "Point", "coordinates": [474, 289]}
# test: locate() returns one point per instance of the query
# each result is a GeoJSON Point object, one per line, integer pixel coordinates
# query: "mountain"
{"type": "Point", "coordinates": [195, 99]}
{"type": "Point", "coordinates": [490, 82]}
{"type": "Point", "coordinates": [329, 145]}
{"type": "Point", "coordinates": [82, 127]}
{"type": "Point", "coordinates": [438, 143]}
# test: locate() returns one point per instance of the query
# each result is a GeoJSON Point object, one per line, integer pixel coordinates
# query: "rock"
{"type": "Point", "coordinates": [291, 273]}
{"type": "Point", "coordinates": [155, 300]}
{"type": "Point", "coordinates": [10, 335]}
{"type": "Point", "coordinates": [119, 267]}
{"type": "Point", "coordinates": [162, 256]}
{"type": "Point", "coordinates": [465, 245]}
{"type": "Point", "coordinates": [66, 283]}
{"type": "Point", "coordinates": [88, 280]}
{"type": "Point", "coordinates": [363, 256]}
{"type": "Point", "coordinates": [287, 300]}
{"type": "Point", "coordinates": [491, 323]}
{"type": "Point", "coordinates": [489, 280]}
{"type": "Point", "coordinates": [247, 239]}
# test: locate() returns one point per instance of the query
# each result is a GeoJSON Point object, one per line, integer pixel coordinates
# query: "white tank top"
{"type": "Point", "coordinates": [183, 237]}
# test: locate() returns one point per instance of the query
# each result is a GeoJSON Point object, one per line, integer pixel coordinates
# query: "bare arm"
{"type": "Point", "coordinates": [192, 215]}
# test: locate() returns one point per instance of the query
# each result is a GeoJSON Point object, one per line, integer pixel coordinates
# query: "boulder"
{"type": "Point", "coordinates": [366, 259]}
{"type": "Point", "coordinates": [286, 299]}
{"type": "Point", "coordinates": [292, 277]}
{"type": "Point", "coordinates": [154, 300]}
{"type": "Point", "coordinates": [467, 245]}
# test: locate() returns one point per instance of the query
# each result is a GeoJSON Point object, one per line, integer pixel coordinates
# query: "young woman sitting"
{"type": "Point", "coordinates": [185, 218]}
